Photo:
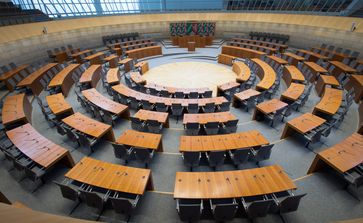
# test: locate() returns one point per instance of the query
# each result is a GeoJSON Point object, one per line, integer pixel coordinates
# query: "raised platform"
{"type": "Point", "coordinates": [190, 75]}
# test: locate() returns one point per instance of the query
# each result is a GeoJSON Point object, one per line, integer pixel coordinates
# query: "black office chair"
{"type": "Point", "coordinates": [191, 159]}
{"type": "Point", "coordinates": [124, 203]}
{"type": "Point", "coordinates": [223, 209]}
{"type": "Point", "coordinates": [122, 152]}
{"type": "Point", "coordinates": [189, 209]}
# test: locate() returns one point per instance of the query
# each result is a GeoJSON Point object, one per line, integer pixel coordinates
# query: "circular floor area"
{"type": "Point", "coordinates": [190, 75]}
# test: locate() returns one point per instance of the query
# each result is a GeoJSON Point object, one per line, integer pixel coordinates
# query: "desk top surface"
{"type": "Point", "coordinates": [270, 106]}
{"type": "Point", "coordinates": [222, 142]}
{"type": "Point", "coordinates": [35, 146]}
{"type": "Point", "coordinates": [110, 176]}
{"type": "Point", "coordinates": [36, 74]}
{"type": "Point", "coordinates": [57, 104]}
{"type": "Point", "coordinates": [12, 72]}
{"type": "Point", "coordinates": [345, 155]}
{"type": "Point", "coordinates": [87, 125]}
{"type": "Point", "coordinates": [208, 117]}
{"type": "Point", "coordinates": [13, 108]}
{"type": "Point", "coordinates": [246, 94]}
{"type": "Point", "coordinates": [269, 75]}
{"type": "Point", "coordinates": [89, 73]}
{"type": "Point", "coordinates": [58, 79]}
{"type": "Point", "coordinates": [140, 139]}
{"type": "Point", "coordinates": [102, 102]}
{"type": "Point", "coordinates": [294, 91]}
{"type": "Point", "coordinates": [315, 67]}
{"type": "Point", "coordinates": [331, 101]}
{"type": "Point", "coordinates": [306, 122]}
{"type": "Point", "coordinates": [232, 184]}
{"type": "Point", "coordinates": [112, 76]}
{"type": "Point", "coordinates": [295, 73]}
{"type": "Point", "coordinates": [161, 117]}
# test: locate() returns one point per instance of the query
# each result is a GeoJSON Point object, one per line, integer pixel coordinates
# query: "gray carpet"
{"type": "Point", "coordinates": [326, 200]}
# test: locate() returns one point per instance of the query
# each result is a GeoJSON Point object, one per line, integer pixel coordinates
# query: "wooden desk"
{"type": "Point", "coordinates": [113, 76]}
{"type": "Point", "coordinates": [268, 107]}
{"type": "Point", "coordinates": [90, 126]}
{"type": "Point", "coordinates": [127, 92]}
{"type": "Point", "coordinates": [10, 74]}
{"type": "Point", "coordinates": [266, 74]}
{"type": "Point", "coordinates": [241, 52]}
{"type": "Point", "coordinates": [96, 58]}
{"type": "Point", "coordinates": [323, 82]}
{"type": "Point", "coordinates": [128, 63]}
{"type": "Point", "coordinates": [161, 117]}
{"type": "Point", "coordinates": [200, 41]}
{"type": "Point", "coordinates": [292, 93]}
{"type": "Point", "coordinates": [278, 60]}
{"type": "Point", "coordinates": [143, 66]}
{"type": "Point", "coordinates": [141, 139]}
{"type": "Point", "coordinates": [356, 82]}
{"type": "Point", "coordinates": [302, 124]}
{"type": "Point", "coordinates": [16, 110]}
{"type": "Point", "coordinates": [223, 142]}
{"type": "Point", "coordinates": [330, 102]}
{"type": "Point", "coordinates": [340, 67]}
{"type": "Point", "coordinates": [295, 58]}
{"type": "Point", "coordinates": [225, 59]}
{"type": "Point", "coordinates": [244, 95]}
{"type": "Point", "coordinates": [62, 56]}
{"type": "Point", "coordinates": [314, 57]}
{"type": "Point", "coordinates": [292, 74]}
{"type": "Point", "coordinates": [191, 46]}
{"type": "Point", "coordinates": [137, 78]}
{"type": "Point", "coordinates": [91, 76]}
{"type": "Point", "coordinates": [242, 70]}
{"type": "Point", "coordinates": [232, 184]}
{"type": "Point", "coordinates": [78, 56]}
{"type": "Point", "coordinates": [144, 52]}
{"type": "Point", "coordinates": [64, 79]}
{"type": "Point", "coordinates": [112, 60]}
{"type": "Point", "coordinates": [33, 80]}
{"type": "Point", "coordinates": [336, 56]}
{"type": "Point", "coordinates": [111, 176]}
{"type": "Point", "coordinates": [280, 47]}
{"type": "Point", "coordinates": [96, 98]}
{"type": "Point", "coordinates": [172, 90]}
{"type": "Point", "coordinates": [59, 106]}
{"type": "Point", "coordinates": [316, 69]}
{"type": "Point", "coordinates": [202, 119]}
{"type": "Point", "coordinates": [226, 87]}
{"type": "Point", "coordinates": [266, 49]}
{"type": "Point", "coordinates": [130, 42]}
{"type": "Point", "coordinates": [342, 157]}
{"type": "Point", "coordinates": [38, 148]}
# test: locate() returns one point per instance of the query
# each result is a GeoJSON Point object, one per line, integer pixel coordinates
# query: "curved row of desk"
{"type": "Point", "coordinates": [127, 92]}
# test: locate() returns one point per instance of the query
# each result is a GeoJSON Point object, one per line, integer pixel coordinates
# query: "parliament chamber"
{"type": "Point", "coordinates": [245, 111]}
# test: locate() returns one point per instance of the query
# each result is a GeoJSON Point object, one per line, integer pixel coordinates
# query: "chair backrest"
{"type": "Point", "coordinates": [207, 94]}
{"type": "Point", "coordinates": [225, 212]}
{"type": "Point", "coordinates": [152, 122]}
{"type": "Point", "coordinates": [290, 203]}
{"type": "Point", "coordinates": [216, 158]}
{"type": "Point", "coordinates": [209, 107]}
{"type": "Point", "coordinates": [92, 199]}
{"type": "Point", "coordinates": [189, 212]}
{"type": "Point", "coordinates": [61, 130]}
{"type": "Point", "coordinates": [231, 123]}
{"type": "Point", "coordinates": [192, 125]}
{"type": "Point", "coordinates": [135, 120]}
{"type": "Point", "coordinates": [119, 150]}
{"type": "Point", "coordinates": [142, 154]}
{"type": "Point", "coordinates": [176, 106]}
{"type": "Point", "coordinates": [179, 94]}
{"type": "Point", "coordinates": [68, 192]}
{"type": "Point", "coordinates": [122, 205]}
{"type": "Point", "coordinates": [191, 158]}
{"type": "Point", "coordinates": [225, 106]}
{"type": "Point", "coordinates": [259, 208]}
{"type": "Point", "coordinates": [264, 152]}
{"type": "Point", "coordinates": [241, 155]}
{"type": "Point", "coordinates": [83, 140]}
{"type": "Point", "coordinates": [193, 95]}
{"type": "Point", "coordinates": [212, 125]}
{"type": "Point", "coordinates": [355, 54]}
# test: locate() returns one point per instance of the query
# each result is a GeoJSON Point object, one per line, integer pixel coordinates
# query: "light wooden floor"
{"type": "Point", "coordinates": [190, 75]}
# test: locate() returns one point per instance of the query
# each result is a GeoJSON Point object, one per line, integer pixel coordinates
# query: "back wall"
{"type": "Point", "coordinates": [25, 43]}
